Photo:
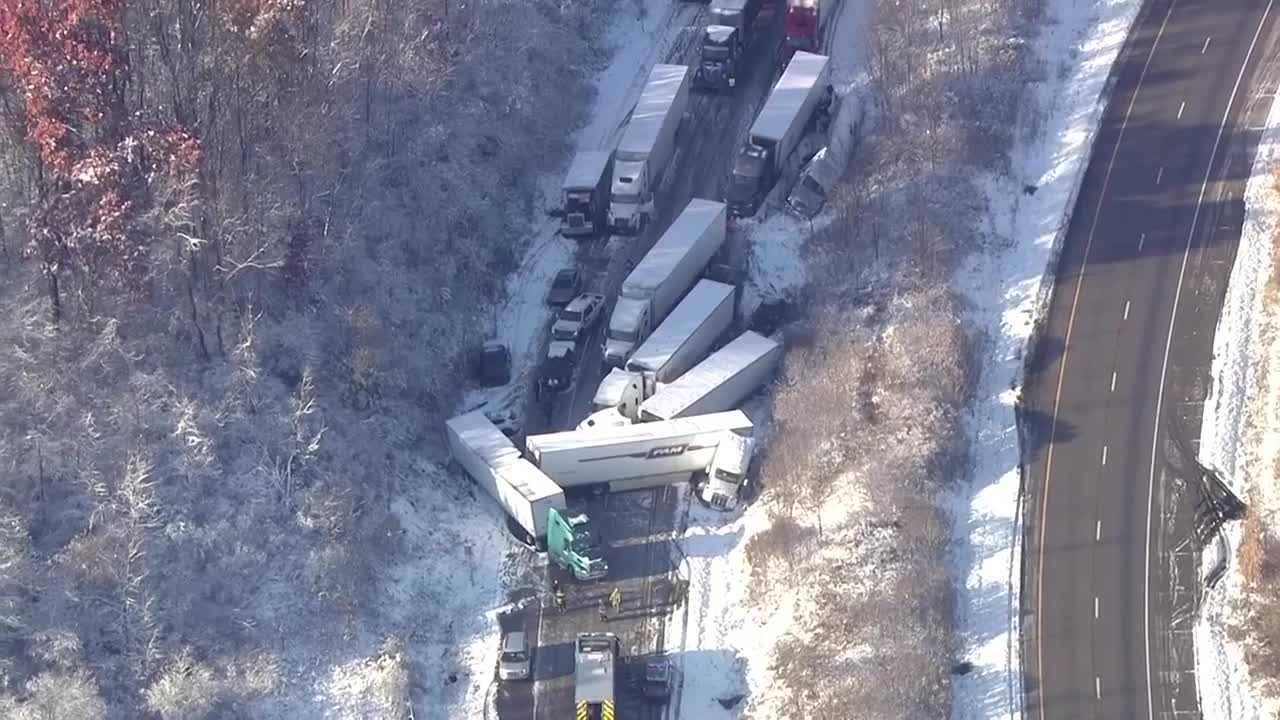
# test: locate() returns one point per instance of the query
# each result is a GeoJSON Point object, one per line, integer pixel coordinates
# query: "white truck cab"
{"type": "Point", "coordinates": [727, 473]}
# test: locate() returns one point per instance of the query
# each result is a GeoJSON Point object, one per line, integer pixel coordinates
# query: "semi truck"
{"type": "Point", "coordinates": [595, 665]}
{"type": "Point", "coordinates": [687, 333]}
{"type": "Point", "coordinates": [798, 101]}
{"type": "Point", "coordinates": [647, 146]}
{"type": "Point", "coordinates": [633, 456]}
{"type": "Point", "coordinates": [663, 276]}
{"type": "Point", "coordinates": [806, 23]}
{"type": "Point", "coordinates": [720, 54]}
{"type": "Point", "coordinates": [724, 42]}
{"type": "Point", "coordinates": [535, 505]}
{"type": "Point", "coordinates": [719, 383]}
{"type": "Point", "coordinates": [622, 391]}
{"type": "Point", "coordinates": [584, 195]}
{"type": "Point", "coordinates": [727, 474]}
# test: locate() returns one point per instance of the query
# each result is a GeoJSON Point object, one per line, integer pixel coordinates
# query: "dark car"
{"type": "Point", "coordinates": [495, 364]}
{"type": "Point", "coordinates": [556, 373]}
{"type": "Point", "coordinates": [568, 283]}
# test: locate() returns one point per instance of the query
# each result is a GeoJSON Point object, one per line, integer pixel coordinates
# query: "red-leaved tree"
{"type": "Point", "coordinates": [68, 63]}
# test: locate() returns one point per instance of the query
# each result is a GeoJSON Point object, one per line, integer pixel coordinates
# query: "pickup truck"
{"type": "Point", "coordinates": [578, 317]}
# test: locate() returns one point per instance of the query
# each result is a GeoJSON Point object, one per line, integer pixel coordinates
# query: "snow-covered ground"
{"type": "Point", "coordinates": [1240, 434]}
{"type": "Point", "coordinates": [1008, 286]}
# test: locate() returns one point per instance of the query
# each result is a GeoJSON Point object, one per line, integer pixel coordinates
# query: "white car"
{"type": "Point", "coordinates": [578, 317]}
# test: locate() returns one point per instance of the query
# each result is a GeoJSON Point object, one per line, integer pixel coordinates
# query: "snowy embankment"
{"type": "Point", "coordinates": [723, 643]}
{"type": "Point", "coordinates": [1009, 287]}
{"type": "Point", "coordinates": [1240, 434]}
{"type": "Point", "coordinates": [455, 647]}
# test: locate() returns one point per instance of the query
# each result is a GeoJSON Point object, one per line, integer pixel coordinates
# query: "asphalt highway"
{"type": "Point", "coordinates": [1115, 384]}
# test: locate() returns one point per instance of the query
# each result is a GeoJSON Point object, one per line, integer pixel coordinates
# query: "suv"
{"type": "Point", "coordinates": [495, 364]}
{"type": "Point", "coordinates": [515, 662]}
{"type": "Point", "coordinates": [578, 317]}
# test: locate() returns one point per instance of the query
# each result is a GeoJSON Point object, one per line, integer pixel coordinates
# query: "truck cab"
{"type": "Point", "coordinates": [573, 545]}
{"type": "Point", "coordinates": [632, 199]}
{"type": "Point", "coordinates": [752, 175]}
{"type": "Point", "coordinates": [628, 327]}
{"type": "Point", "coordinates": [721, 52]}
{"type": "Point", "coordinates": [624, 392]}
{"type": "Point", "coordinates": [727, 473]}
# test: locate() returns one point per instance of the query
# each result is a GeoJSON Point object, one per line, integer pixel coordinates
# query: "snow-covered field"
{"type": "Point", "coordinates": [1008, 287]}
{"type": "Point", "coordinates": [1240, 434]}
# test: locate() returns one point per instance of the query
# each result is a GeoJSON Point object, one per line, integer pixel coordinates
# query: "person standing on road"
{"type": "Point", "coordinates": [558, 594]}
{"type": "Point", "coordinates": [604, 615]}
{"type": "Point", "coordinates": [615, 600]}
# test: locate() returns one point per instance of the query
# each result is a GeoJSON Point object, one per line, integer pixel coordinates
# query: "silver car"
{"type": "Point", "coordinates": [515, 662]}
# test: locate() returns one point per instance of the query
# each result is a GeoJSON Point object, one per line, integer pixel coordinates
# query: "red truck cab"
{"type": "Point", "coordinates": [802, 24]}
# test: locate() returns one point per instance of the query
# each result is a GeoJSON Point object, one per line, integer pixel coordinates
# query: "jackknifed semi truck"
{"type": "Point", "coordinates": [719, 383]}
{"type": "Point", "coordinates": [647, 147]}
{"type": "Point", "coordinates": [595, 666]}
{"type": "Point", "coordinates": [584, 195]}
{"type": "Point", "coordinates": [663, 276]}
{"type": "Point", "coordinates": [800, 98]}
{"type": "Point", "coordinates": [687, 334]}
{"type": "Point", "coordinates": [634, 456]}
{"type": "Point", "coordinates": [535, 505]}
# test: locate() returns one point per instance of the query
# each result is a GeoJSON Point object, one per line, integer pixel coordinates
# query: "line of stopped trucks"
{"type": "Point", "coordinates": [667, 412]}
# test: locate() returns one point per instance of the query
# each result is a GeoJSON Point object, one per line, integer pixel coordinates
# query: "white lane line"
{"type": "Point", "coordinates": [1104, 454]}
{"type": "Point", "coordinates": [1206, 44]}
{"type": "Point", "coordinates": [1126, 309]}
{"type": "Point", "coordinates": [1095, 607]}
{"type": "Point", "coordinates": [1066, 349]}
{"type": "Point", "coordinates": [1097, 687]}
{"type": "Point", "coordinates": [1142, 240]}
{"type": "Point", "coordinates": [1097, 531]}
{"type": "Point", "coordinates": [1164, 369]}
{"type": "Point", "coordinates": [1182, 107]}
{"type": "Point", "coordinates": [1159, 174]}
{"type": "Point", "coordinates": [1113, 381]}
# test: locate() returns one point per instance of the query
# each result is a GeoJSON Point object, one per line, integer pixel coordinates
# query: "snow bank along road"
{"type": "Point", "coordinates": [1115, 385]}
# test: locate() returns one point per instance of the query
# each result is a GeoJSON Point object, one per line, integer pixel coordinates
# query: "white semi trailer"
{"type": "Point", "coordinates": [497, 466]}
{"type": "Point", "coordinates": [534, 503]}
{"type": "Point", "coordinates": [647, 146]}
{"type": "Point", "coordinates": [687, 334]}
{"type": "Point", "coordinates": [665, 274]}
{"type": "Point", "coordinates": [634, 456]}
{"type": "Point", "coordinates": [802, 93]}
{"type": "Point", "coordinates": [718, 383]}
